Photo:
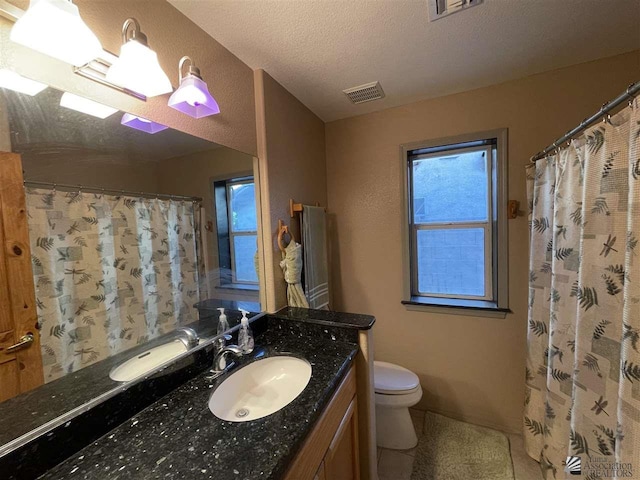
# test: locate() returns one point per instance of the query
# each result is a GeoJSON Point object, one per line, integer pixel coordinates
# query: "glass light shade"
{"type": "Point", "coordinates": [11, 80]}
{"type": "Point", "coordinates": [84, 105]}
{"type": "Point", "coordinates": [138, 69]}
{"type": "Point", "coordinates": [141, 124]}
{"type": "Point", "coordinates": [54, 27]}
{"type": "Point", "coordinates": [193, 98]}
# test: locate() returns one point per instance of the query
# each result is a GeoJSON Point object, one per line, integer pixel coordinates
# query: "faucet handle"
{"type": "Point", "coordinates": [221, 342]}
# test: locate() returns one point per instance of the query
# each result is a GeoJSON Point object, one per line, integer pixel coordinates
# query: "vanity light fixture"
{"type": "Point", "coordinates": [192, 96]}
{"type": "Point", "coordinates": [141, 124]}
{"type": "Point", "coordinates": [84, 105]}
{"type": "Point", "coordinates": [137, 68]}
{"type": "Point", "coordinates": [54, 27]}
{"type": "Point", "coordinates": [11, 80]}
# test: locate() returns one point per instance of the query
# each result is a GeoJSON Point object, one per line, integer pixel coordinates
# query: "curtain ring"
{"type": "Point", "coordinates": [628, 91]}
{"type": "Point", "coordinates": [606, 118]}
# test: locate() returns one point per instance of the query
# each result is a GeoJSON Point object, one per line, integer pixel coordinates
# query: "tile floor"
{"type": "Point", "coordinates": [397, 464]}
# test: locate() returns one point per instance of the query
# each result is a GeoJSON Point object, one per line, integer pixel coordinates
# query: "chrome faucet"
{"type": "Point", "coordinates": [219, 359]}
{"type": "Point", "coordinates": [188, 337]}
{"type": "Point", "coordinates": [220, 352]}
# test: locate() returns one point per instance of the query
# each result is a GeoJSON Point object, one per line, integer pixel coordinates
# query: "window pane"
{"type": "Point", "coordinates": [450, 188]}
{"type": "Point", "coordinates": [243, 207]}
{"type": "Point", "coordinates": [451, 261]}
{"type": "Point", "coordinates": [244, 249]}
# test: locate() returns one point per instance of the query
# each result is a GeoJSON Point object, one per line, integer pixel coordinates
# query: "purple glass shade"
{"type": "Point", "coordinates": [142, 124]}
{"type": "Point", "coordinates": [193, 98]}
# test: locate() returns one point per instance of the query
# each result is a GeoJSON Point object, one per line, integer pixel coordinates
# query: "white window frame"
{"type": "Point", "coordinates": [495, 299]}
{"type": "Point", "coordinates": [232, 234]}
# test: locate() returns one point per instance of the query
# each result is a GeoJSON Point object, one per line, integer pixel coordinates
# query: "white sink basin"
{"type": "Point", "coordinates": [260, 389]}
{"type": "Point", "coordinates": [148, 361]}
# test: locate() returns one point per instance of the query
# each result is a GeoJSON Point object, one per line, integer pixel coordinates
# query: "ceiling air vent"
{"type": "Point", "coordinates": [442, 8]}
{"type": "Point", "coordinates": [365, 93]}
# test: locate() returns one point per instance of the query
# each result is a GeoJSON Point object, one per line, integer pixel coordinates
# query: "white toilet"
{"type": "Point", "coordinates": [396, 389]}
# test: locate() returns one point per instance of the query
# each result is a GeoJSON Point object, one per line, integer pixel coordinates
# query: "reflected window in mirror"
{"type": "Point", "coordinates": [235, 205]}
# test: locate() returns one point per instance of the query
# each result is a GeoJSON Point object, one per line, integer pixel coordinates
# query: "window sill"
{"type": "Point", "coordinates": [472, 308]}
{"type": "Point", "coordinates": [238, 286]}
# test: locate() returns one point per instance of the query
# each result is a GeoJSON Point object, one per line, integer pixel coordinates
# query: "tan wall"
{"type": "Point", "coordinates": [470, 367]}
{"type": "Point", "coordinates": [194, 175]}
{"type": "Point", "coordinates": [92, 170]}
{"type": "Point", "coordinates": [291, 148]}
{"type": "Point", "coordinates": [171, 35]}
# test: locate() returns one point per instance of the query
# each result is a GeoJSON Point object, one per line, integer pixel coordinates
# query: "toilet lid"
{"type": "Point", "coordinates": [388, 377]}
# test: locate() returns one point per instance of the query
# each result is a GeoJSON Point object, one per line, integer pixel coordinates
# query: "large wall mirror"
{"type": "Point", "coordinates": [139, 234]}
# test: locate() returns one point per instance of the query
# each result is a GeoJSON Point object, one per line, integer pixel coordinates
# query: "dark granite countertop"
{"type": "Point", "coordinates": [37, 407]}
{"type": "Point", "coordinates": [178, 437]}
{"type": "Point", "coordinates": [325, 317]}
{"type": "Point", "coordinates": [34, 409]}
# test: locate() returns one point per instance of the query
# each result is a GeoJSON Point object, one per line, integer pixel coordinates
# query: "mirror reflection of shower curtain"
{"type": "Point", "coordinates": [583, 360]}
{"type": "Point", "coordinates": [110, 272]}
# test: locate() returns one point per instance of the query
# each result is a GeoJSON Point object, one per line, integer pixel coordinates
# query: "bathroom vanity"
{"type": "Point", "coordinates": [177, 436]}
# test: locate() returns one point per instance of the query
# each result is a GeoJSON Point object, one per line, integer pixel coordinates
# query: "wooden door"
{"type": "Point", "coordinates": [342, 459]}
{"type": "Point", "coordinates": [20, 368]}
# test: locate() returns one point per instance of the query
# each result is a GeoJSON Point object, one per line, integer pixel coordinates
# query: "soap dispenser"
{"type": "Point", "coordinates": [223, 324]}
{"type": "Point", "coordinates": [245, 335]}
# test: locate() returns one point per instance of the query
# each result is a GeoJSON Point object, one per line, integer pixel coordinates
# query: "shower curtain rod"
{"type": "Point", "coordinates": [631, 91]}
{"type": "Point", "coordinates": [80, 188]}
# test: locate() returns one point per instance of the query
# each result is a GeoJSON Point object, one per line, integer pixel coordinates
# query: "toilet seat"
{"type": "Point", "coordinates": [391, 379]}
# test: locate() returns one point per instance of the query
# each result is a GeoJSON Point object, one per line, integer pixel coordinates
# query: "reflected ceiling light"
{"type": "Point", "coordinates": [192, 96]}
{"type": "Point", "coordinates": [54, 27]}
{"type": "Point", "coordinates": [137, 68]}
{"type": "Point", "coordinates": [142, 124]}
{"type": "Point", "coordinates": [84, 105]}
{"type": "Point", "coordinates": [11, 80]}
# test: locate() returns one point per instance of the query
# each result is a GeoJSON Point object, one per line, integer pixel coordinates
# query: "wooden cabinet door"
{"type": "Point", "coordinates": [342, 460]}
{"type": "Point", "coordinates": [20, 369]}
{"type": "Point", "coordinates": [320, 474]}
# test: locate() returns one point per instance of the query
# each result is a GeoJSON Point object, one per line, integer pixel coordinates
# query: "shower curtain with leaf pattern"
{"type": "Point", "coordinates": [583, 363]}
{"type": "Point", "coordinates": [110, 272]}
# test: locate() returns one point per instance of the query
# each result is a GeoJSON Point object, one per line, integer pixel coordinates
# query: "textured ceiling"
{"type": "Point", "coordinates": [317, 48]}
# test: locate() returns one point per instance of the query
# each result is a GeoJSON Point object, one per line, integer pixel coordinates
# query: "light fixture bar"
{"type": "Point", "coordinates": [96, 70]}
